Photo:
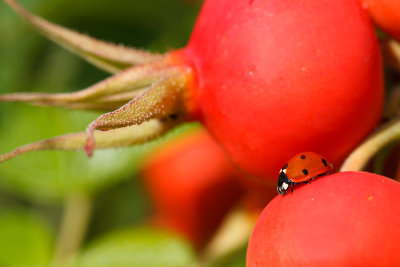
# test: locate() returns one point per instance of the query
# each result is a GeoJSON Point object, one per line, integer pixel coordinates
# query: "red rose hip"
{"type": "Point", "coordinates": [268, 78]}
{"type": "Point", "coordinates": [386, 14]}
{"type": "Point", "coordinates": [192, 186]}
{"type": "Point", "coordinates": [343, 219]}
{"type": "Point", "coordinates": [278, 77]}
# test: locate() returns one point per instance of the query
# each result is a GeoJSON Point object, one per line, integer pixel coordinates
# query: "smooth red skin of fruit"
{"type": "Point", "coordinates": [343, 219]}
{"type": "Point", "coordinates": [386, 14]}
{"type": "Point", "coordinates": [192, 186]}
{"type": "Point", "coordinates": [278, 77]}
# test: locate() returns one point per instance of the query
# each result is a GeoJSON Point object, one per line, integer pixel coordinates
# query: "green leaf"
{"type": "Point", "coordinates": [137, 247]}
{"type": "Point", "coordinates": [25, 240]}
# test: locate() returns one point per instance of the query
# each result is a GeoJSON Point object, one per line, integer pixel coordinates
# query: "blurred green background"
{"type": "Point", "coordinates": [40, 192]}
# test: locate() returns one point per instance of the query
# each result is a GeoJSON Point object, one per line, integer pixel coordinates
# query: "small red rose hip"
{"type": "Point", "coordinates": [386, 14]}
{"type": "Point", "coordinates": [192, 186]}
{"type": "Point", "coordinates": [343, 219]}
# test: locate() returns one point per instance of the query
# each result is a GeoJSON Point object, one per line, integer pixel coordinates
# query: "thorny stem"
{"type": "Point", "coordinates": [362, 154]}
{"type": "Point", "coordinates": [75, 219]}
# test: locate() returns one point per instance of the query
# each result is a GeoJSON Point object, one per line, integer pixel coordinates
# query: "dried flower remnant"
{"type": "Point", "coordinates": [146, 87]}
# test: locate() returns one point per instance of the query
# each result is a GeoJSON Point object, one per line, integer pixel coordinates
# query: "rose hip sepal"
{"type": "Point", "coordinates": [343, 219]}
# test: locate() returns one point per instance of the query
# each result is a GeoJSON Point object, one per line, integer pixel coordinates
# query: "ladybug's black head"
{"type": "Point", "coordinates": [283, 183]}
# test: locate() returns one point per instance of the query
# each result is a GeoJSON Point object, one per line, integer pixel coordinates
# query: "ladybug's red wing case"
{"type": "Point", "coordinates": [305, 166]}
{"type": "Point", "coordinates": [301, 168]}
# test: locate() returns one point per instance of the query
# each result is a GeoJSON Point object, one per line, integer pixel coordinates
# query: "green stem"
{"type": "Point", "coordinates": [391, 52]}
{"type": "Point", "coordinates": [357, 160]}
{"type": "Point", "coordinates": [75, 218]}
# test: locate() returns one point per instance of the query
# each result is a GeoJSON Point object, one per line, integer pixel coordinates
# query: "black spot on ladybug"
{"type": "Point", "coordinates": [325, 162]}
{"type": "Point", "coordinates": [284, 166]}
{"type": "Point", "coordinates": [303, 156]}
{"type": "Point", "coordinates": [305, 171]}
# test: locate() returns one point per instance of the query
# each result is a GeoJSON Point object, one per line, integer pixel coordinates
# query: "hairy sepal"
{"type": "Point", "coordinates": [123, 137]}
{"type": "Point", "coordinates": [165, 99]}
{"type": "Point", "coordinates": [104, 55]}
{"type": "Point", "coordinates": [109, 94]}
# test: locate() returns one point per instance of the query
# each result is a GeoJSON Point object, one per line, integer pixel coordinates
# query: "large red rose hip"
{"type": "Point", "coordinates": [268, 78]}
{"type": "Point", "coordinates": [343, 219]}
{"type": "Point", "coordinates": [275, 78]}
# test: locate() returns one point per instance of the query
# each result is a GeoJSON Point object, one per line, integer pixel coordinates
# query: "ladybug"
{"type": "Point", "coordinates": [300, 169]}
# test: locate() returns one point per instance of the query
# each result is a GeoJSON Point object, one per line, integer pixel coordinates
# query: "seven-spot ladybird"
{"type": "Point", "coordinates": [301, 168]}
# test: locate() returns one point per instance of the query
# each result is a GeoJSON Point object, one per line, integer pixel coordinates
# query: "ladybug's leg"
{"type": "Point", "coordinates": [305, 182]}
{"type": "Point", "coordinates": [319, 175]}
{"type": "Point", "coordinates": [291, 188]}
